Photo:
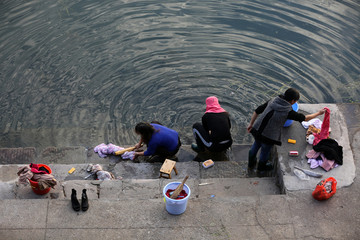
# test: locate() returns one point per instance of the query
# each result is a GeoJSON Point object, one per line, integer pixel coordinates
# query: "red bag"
{"type": "Point", "coordinates": [325, 189]}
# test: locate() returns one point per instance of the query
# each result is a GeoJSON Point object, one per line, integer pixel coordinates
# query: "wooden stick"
{"type": "Point", "coordinates": [177, 191]}
{"type": "Point", "coordinates": [124, 150]}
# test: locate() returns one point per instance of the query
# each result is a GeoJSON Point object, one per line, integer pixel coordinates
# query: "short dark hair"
{"type": "Point", "coordinates": [291, 94]}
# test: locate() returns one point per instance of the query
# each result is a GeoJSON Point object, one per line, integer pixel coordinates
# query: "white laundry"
{"type": "Point", "coordinates": [316, 122]}
{"type": "Point", "coordinates": [128, 155]}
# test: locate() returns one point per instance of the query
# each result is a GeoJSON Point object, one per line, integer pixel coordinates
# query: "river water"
{"type": "Point", "coordinates": [79, 73]}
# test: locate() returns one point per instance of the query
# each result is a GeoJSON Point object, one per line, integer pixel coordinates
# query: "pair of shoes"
{"type": "Point", "coordinates": [266, 166]}
{"type": "Point", "coordinates": [75, 202]}
{"type": "Point", "coordinates": [196, 148]}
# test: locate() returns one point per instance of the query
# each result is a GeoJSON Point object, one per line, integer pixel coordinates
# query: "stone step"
{"type": "Point", "coordinates": [131, 170]}
{"type": "Point", "coordinates": [246, 218]}
{"type": "Point", "coordinates": [228, 189]}
{"type": "Point", "coordinates": [127, 169]}
{"type": "Point", "coordinates": [79, 154]}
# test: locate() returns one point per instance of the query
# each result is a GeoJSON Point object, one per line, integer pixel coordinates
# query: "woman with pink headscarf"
{"type": "Point", "coordinates": [214, 131]}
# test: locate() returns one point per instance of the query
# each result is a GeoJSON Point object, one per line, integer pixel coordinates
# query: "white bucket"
{"type": "Point", "coordinates": [173, 206]}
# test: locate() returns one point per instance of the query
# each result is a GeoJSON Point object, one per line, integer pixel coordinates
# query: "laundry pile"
{"type": "Point", "coordinates": [317, 129]}
{"type": "Point", "coordinates": [104, 150]}
{"type": "Point", "coordinates": [101, 174]}
{"type": "Point", "coordinates": [326, 152]}
{"type": "Point", "coordinates": [37, 173]}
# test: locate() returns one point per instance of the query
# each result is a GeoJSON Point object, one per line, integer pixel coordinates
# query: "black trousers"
{"type": "Point", "coordinates": [163, 152]}
{"type": "Point", "coordinates": [203, 140]}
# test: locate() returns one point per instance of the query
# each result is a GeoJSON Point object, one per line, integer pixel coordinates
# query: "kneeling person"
{"type": "Point", "coordinates": [162, 142]}
{"type": "Point", "coordinates": [214, 131]}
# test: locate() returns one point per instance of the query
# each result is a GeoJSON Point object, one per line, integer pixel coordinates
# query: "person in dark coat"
{"type": "Point", "coordinates": [266, 123]}
{"type": "Point", "coordinates": [213, 133]}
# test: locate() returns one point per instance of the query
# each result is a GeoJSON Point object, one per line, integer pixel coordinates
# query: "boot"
{"type": "Point", "coordinates": [252, 161]}
{"type": "Point", "coordinates": [197, 148]}
{"type": "Point", "coordinates": [75, 203]}
{"type": "Point", "coordinates": [84, 201]}
{"type": "Point", "coordinates": [264, 166]}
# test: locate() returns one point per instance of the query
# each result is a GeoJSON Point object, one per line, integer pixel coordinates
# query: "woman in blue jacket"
{"type": "Point", "coordinates": [162, 142]}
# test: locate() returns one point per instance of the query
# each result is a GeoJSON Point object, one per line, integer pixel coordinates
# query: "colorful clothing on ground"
{"type": "Point", "coordinates": [105, 149]}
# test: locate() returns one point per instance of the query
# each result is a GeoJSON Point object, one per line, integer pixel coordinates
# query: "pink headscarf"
{"type": "Point", "coordinates": [213, 106]}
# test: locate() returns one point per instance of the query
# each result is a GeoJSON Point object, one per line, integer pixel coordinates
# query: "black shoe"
{"type": "Point", "coordinates": [174, 158]}
{"type": "Point", "coordinates": [251, 161]}
{"type": "Point", "coordinates": [75, 203]}
{"type": "Point", "coordinates": [84, 201]}
{"type": "Point", "coordinates": [196, 148]}
{"type": "Point", "coordinates": [265, 167]}
{"type": "Point", "coordinates": [197, 159]}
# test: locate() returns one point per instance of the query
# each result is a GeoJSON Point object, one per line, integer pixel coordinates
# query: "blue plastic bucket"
{"type": "Point", "coordinates": [176, 207]}
{"type": "Point", "coordinates": [288, 122]}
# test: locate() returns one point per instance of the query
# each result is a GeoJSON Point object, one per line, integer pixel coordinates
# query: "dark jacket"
{"type": "Point", "coordinates": [331, 150]}
{"type": "Point", "coordinates": [267, 127]}
{"type": "Point", "coordinates": [219, 124]}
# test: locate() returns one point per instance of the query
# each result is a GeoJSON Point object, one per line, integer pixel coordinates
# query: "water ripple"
{"type": "Point", "coordinates": [85, 72]}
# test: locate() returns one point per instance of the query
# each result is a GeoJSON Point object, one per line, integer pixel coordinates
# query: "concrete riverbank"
{"type": "Point", "coordinates": [233, 205]}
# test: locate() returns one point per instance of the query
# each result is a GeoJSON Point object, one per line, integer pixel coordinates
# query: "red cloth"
{"type": "Point", "coordinates": [35, 169]}
{"type": "Point", "coordinates": [325, 126]}
{"type": "Point", "coordinates": [182, 194]}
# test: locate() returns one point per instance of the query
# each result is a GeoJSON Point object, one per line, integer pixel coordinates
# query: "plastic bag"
{"type": "Point", "coordinates": [325, 189]}
{"type": "Point", "coordinates": [301, 175]}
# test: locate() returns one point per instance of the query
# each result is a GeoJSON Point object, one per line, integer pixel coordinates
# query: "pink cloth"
{"type": "Point", "coordinates": [213, 106]}
{"type": "Point", "coordinates": [312, 154]}
{"type": "Point", "coordinates": [328, 164]}
{"type": "Point", "coordinates": [103, 150]}
{"type": "Point", "coordinates": [325, 126]}
{"type": "Point", "coordinates": [35, 169]}
{"type": "Point", "coordinates": [325, 163]}
{"type": "Point", "coordinates": [314, 163]}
